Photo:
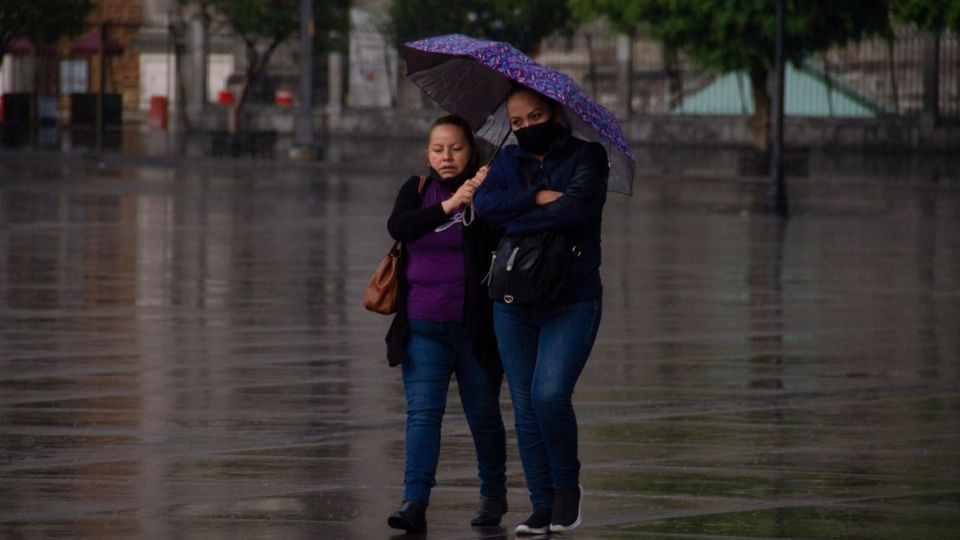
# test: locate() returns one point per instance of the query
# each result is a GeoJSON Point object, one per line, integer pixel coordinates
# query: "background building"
{"type": "Point", "coordinates": [186, 57]}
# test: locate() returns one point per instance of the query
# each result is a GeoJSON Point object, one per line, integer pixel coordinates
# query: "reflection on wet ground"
{"type": "Point", "coordinates": [183, 354]}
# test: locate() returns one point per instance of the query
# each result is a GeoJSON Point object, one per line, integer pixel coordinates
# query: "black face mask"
{"type": "Point", "coordinates": [537, 138]}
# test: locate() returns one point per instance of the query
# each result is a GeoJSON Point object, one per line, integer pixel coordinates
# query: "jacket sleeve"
{"type": "Point", "coordinates": [409, 221]}
{"type": "Point", "coordinates": [496, 201]}
{"type": "Point", "coordinates": [584, 192]}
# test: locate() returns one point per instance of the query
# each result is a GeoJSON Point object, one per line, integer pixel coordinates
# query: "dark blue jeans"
{"type": "Point", "coordinates": [544, 351]}
{"type": "Point", "coordinates": [438, 349]}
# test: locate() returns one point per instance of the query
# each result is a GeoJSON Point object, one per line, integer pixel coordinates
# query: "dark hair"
{"type": "Point", "coordinates": [457, 121]}
{"type": "Point", "coordinates": [552, 104]}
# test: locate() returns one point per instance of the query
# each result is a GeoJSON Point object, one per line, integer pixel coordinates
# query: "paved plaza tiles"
{"type": "Point", "coordinates": [183, 354]}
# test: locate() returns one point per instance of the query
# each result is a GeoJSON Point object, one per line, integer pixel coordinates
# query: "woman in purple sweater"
{"type": "Point", "coordinates": [444, 324]}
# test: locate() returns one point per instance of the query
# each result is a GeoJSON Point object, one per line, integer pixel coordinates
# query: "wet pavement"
{"type": "Point", "coordinates": [183, 354]}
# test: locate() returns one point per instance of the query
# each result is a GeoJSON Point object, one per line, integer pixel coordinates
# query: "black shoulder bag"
{"type": "Point", "coordinates": [530, 269]}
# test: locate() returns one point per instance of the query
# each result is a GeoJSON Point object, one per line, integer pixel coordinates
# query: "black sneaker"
{"type": "Point", "coordinates": [490, 512]}
{"type": "Point", "coordinates": [566, 509]}
{"type": "Point", "coordinates": [411, 517]}
{"type": "Point", "coordinates": [537, 523]}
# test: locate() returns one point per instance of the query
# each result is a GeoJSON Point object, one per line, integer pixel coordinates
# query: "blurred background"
{"type": "Point", "coordinates": [183, 350]}
{"type": "Point", "coordinates": [862, 74]}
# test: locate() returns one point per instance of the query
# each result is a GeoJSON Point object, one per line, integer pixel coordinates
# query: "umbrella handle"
{"type": "Point", "coordinates": [499, 146]}
{"type": "Point", "coordinates": [469, 210]}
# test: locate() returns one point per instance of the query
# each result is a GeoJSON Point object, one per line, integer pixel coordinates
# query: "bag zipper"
{"type": "Point", "coordinates": [512, 259]}
{"type": "Point", "coordinates": [487, 278]}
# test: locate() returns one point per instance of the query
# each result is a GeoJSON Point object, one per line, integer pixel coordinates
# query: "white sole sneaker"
{"type": "Point", "coordinates": [575, 524]}
{"type": "Point", "coordinates": [525, 529]}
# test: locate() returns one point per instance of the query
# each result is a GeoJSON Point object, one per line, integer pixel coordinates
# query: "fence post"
{"type": "Point", "coordinates": [303, 128]}
{"type": "Point", "coordinates": [931, 79]}
{"type": "Point", "coordinates": [777, 192]}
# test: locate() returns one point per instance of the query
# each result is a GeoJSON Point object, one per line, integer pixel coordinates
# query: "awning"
{"type": "Point", "coordinates": [20, 45]}
{"type": "Point", "coordinates": [809, 91]}
{"type": "Point", "coordinates": [90, 44]}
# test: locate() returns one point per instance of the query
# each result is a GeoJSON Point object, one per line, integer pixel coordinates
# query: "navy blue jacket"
{"type": "Point", "coordinates": [573, 166]}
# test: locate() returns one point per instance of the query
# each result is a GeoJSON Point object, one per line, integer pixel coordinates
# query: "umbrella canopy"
{"type": "Point", "coordinates": [91, 43]}
{"type": "Point", "coordinates": [472, 77]}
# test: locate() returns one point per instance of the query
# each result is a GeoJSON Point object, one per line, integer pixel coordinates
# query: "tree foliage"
{"type": "Point", "coordinates": [522, 23]}
{"type": "Point", "coordinates": [622, 15]}
{"type": "Point", "coordinates": [733, 35]}
{"type": "Point", "coordinates": [263, 25]}
{"type": "Point", "coordinates": [268, 21]}
{"type": "Point", "coordinates": [934, 16]}
{"type": "Point", "coordinates": [41, 21]}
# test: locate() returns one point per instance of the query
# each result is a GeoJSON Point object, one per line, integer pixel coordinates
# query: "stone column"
{"type": "Point", "coordinates": [199, 24]}
{"type": "Point", "coordinates": [625, 72]}
{"type": "Point", "coordinates": [335, 82]}
{"type": "Point", "coordinates": [303, 121]}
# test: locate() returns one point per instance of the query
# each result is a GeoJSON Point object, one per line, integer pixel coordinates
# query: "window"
{"type": "Point", "coordinates": [74, 76]}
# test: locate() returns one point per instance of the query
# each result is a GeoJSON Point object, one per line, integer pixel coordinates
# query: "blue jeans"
{"type": "Point", "coordinates": [438, 349]}
{"type": "Point", "coordinates": [544, 351]}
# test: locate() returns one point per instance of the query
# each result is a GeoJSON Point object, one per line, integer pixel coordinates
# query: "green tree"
{"type": "Point", "coordinates": [41, 21]}
{"type": "Point", "coordinates": [934, 16]}
{"type": "Point", "coordinates": [522, 23]}
{"type": "Point", "coordinates": [623, 16]}
{"type": "Point", "coordinates": [734, 35]}
{"type": "Point", "coordinates": [263, 25]}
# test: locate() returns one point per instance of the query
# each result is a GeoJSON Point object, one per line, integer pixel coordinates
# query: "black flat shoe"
{"type": "Point", "coordinates": [411, 517]}
{"type": "Point", "coordinates": [490, 512]}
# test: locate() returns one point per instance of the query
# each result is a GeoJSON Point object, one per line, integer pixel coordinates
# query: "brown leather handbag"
{"type": "Point", "coordinates": [380, 295]}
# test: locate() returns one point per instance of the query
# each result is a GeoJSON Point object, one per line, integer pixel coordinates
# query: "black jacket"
{"type": "Point", "coordinates": [573, 166]}
{"type": "Point", "coordinates": [409, 221]}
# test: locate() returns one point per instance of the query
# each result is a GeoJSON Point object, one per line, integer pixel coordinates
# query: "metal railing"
{"type": "Point", "coordinates": [886, 76]}
{"type": "Point", "coordinates": [892, 72]}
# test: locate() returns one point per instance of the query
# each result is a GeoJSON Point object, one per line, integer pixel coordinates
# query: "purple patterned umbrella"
{"type": "Point", "coordinates": [471, 77]}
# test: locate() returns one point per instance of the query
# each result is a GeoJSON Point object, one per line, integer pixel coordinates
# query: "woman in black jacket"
{"type": "Point", "coordinates": [549, 181]}
{"type": "Point", "coordinates": [444, 323]}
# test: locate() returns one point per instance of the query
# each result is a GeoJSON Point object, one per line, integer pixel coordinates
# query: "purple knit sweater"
{"type": "Point", "coordinates": [435, 269]}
